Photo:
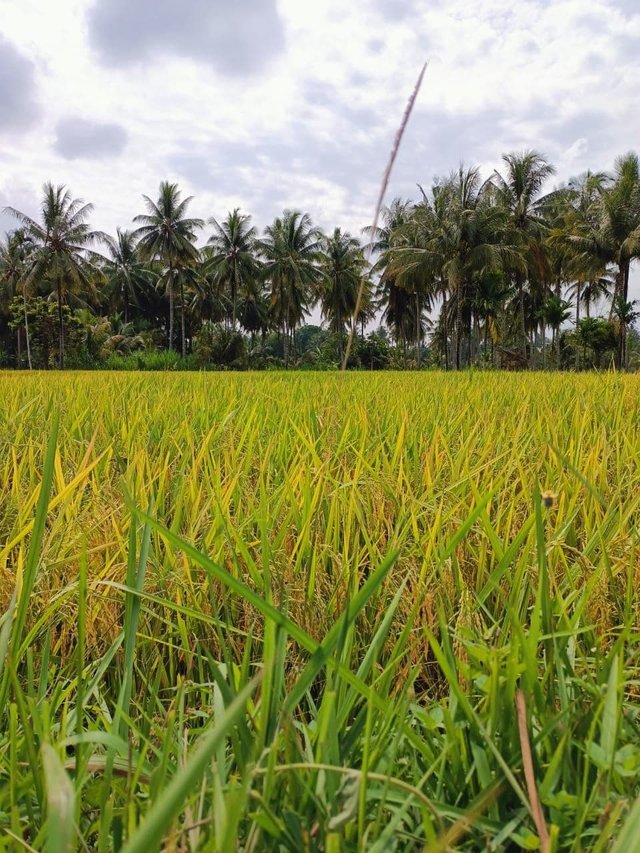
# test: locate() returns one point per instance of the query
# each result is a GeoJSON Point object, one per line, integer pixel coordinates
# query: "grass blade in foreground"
{"type": "Point", "coordinates": [148, 837]}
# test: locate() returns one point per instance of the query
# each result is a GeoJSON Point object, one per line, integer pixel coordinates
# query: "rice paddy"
{"type": "Point", "coordinates": [317, 612]}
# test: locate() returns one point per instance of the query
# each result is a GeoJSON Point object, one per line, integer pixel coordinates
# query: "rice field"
{"type": "Point", "coordinates": [319, 612]}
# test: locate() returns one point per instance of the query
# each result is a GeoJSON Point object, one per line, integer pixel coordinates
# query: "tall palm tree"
{"type": "Point", "coordinates": [556, 311]}
{"type": "Point", "coordinates": [397, 310]}
{"type": "Point", "coordinates": [519, 191]}
{"type": "Point", "coordinates": [166, 234]}
{"type": "Point", "coordinates": [232, 261]}
{"type": "Point", "coordinates": [62, 241]}
{"type": "Point", "coordinates": [127, 275]}
{"type": "Point", "coordinates": [577, 211]}
{"type": "Point", "coordinates": [459, 234]}
{"type": "Point", "coordinates": [253, 309]}
{"type": "Point", "coordinates": [625, 315]}
{"type": "Point", "coordinates": [489, 294]}
{"type": "Point", "coordinates": [392, 217]}
{"type": "Point", "coordinates": [595, 290]}
{"type": "Point", "coordinates": [15, 257]}
{"type": "Point", "coordinates": [607, 232]}
{"type": "Point", "coordinates": [291, 249]}
{"type": "Point", "coordinates": [620, 220]}
{"type": "Point", "coordinates": [342, 267]}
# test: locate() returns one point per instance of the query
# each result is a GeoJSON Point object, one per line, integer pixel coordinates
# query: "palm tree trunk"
{"type": "Point", "coordinates": [625, 280]}
{"type": "Point", "coordinates": [19, 346]}
{"type": "Point", "coordinates": [417, 329]}
{"type": "Point", "coordinates": [476, 338]}
{"type": "Point", "coordinates": [60, 326]}
{"type": "Point", "coordinates": [26, 328]}
{"type": "Point", "coordinates": [446, 330]}
{"type": "Point", "coordinates": [182, 325]}
{"type": "Point", "coordinates": [458, 327]}
{"type": "Point", "coordinates": [523, 324]}
{"type": "Point", "coordinates": [170, 309]}
{"type": "Point", "coordinates": [544, 347]}
{"type": "Point", "coordinates": [578, 297]}
{"type": "Point", "coordinates": [234, 302]}
{"type": "Point", "coordinates": [486, 341]}
{"type": "Point", "coordinates": [285, 344]}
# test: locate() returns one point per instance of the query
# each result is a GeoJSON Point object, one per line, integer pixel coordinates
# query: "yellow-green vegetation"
{"type": "Point", "coordinates": [296, 612]}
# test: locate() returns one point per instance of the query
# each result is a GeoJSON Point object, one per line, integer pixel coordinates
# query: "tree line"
{"type": "Point", "coordinates": [483, 272]}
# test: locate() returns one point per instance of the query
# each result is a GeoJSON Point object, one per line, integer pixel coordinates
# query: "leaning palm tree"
{"type": "Point", "coordinates": [291, 252]}
{"type": "Point", "coordinates": [61, 247]}
{"type": "Point", "coordinates": [127, 275]}
{"type": "Point", "coordinates": [167, 235]}
{"type": "Point", "coordinates": [342, 267]}
{"type": "Point", "coordinates": [15, 257]}
{"type": "Point", "coordinates": [232, 260]}
{"type": "Point", "coordinates": [519, 191]}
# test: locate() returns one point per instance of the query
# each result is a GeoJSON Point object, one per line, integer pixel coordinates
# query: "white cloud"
{"type": "Point", "coordinates": [309, 121]}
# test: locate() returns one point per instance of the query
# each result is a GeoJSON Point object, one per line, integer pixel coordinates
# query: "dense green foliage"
{"type": "Point", "coordinates": [490, 273]}
{"type": "Point", "coordinates": [300, 612]}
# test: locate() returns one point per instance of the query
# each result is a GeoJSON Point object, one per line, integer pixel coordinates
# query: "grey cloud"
{"type": "Point", "coordinates": [235, 38]}
{"type": "Point", "coordinates": [629, 8]}
{"type": "Point", "coordinates": [317, 93]}
{"type": "Point", "coordinates": [442, 140]}
{"type": "Point", "coordinates": [83, 138]}
{"type": "Point", "coordinates": [8, 223]}
{"type": "Point", "coordinates": [435, 143]}
{"type": "Point", "coordinates": [557, 134]}
{"type": "Point", "coordinates": [395, 10]}
{"type": "Point", "coordinates": [19, 197]}
{"type": "Point", "coordinates": [18, 106]}
{"type": "Point", "coordinates": [627, 47]}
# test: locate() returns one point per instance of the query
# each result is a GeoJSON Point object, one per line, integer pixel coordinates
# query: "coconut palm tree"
{"type": "Point", "coordinates": [556, 311]}
{"type": "Point", "coordinates": [606, 232]}
{"type": "Point", "coordinates": [127, 276]}
{"type": "Point", "coordinates": [62, 253]}
{"type": "Point", "coordinates": [594, 291]}
{"type": "Point", "coordinates": [253, 309]}
{"type": "Point", "coordinates": [392, 217]}
{"type": "Point", "coordinates": [232, 260]}
{"type": "Point", "coordinates": [625, 315]}
{"type": "Point", "coordinates": [457, 235]}
{"type": "Point", "coordinates": [15, 256]}
{"type": "Point", "coordinates": [167, 235]}
{"type": "Point", "coordinates": [291, 250]}
{"type": "Point", "coordinates": [397, 310]}
{"type": "Point", "coordinates": [519, 191]}
{"type": "Point", "coordinates": [342, 266]}
{"type": "Point", "coordinates": [488, 298]}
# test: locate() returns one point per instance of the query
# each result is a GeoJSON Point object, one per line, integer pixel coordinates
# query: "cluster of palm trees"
{"type": "Point", "coordinates": [506, 261]}
{"type": "Point", "coordinates": [157, 270]}
{"type": "Point", "coordinates": [475, 268]}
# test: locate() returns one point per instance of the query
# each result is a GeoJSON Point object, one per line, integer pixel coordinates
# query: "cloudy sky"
{"type": "Point", "coordinates": [269, 104]}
